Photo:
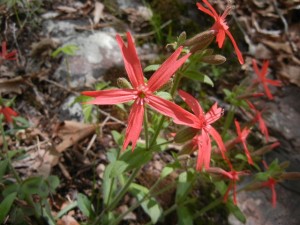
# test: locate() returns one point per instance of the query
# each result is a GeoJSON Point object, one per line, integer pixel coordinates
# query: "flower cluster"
{"type": "Point", "coordinates": [199, 123]}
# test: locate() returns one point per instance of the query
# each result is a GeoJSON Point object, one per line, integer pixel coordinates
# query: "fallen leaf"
{"type": "Point", "coordinates": [11, 85]}
{"type": "Point", "coordinates": [67, 220]}
{"type": "Point", "coordinates": [98, 12]}
{"type": "Point", "coordinates": [71, 132]}
{"type": "Point", "coordinates": [66, 9]}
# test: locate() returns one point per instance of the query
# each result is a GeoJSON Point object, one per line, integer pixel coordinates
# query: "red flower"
{"type": "Point", "coordinates": [221, 27]}
{"type": "Point", "coordinates": [242, 136]}
{"type": "Point", "coordinates": [270, 183]}
{"type": "Point", "coordinates": [262, 78]}
{"type": "Point", "coordinates": [258, 118]}
{"type": "Point", "coordinates": [203, 123]}
{"type": "Point", "coordinates": [5, 55]}
{"type": "Point", "coordinates": [8, 113]}
{"type": "Point", "coordinates": [143, 93]}
{"type": "Point", "coordinates": [233, 175]}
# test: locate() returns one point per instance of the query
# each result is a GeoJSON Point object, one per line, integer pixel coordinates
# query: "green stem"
{"type": "Point", "coordinates": [112, 183]}
{"type": "Point", "coordinates": [17, 16]}
{"type": "Point", "coordinates": [146, 128]}
{"type": "Point", "coordinates": [156, 133]}
{"type": "Point", "coordinates": [124, 189]}
{"type": "Point", "coordinates": [228, 120]}
{"type": "Point", "coordinates": [5, 148]}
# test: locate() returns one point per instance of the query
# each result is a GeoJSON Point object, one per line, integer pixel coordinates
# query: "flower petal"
{"type": "Point", "coordinates": [204, 151]}
{"type": "Point", "coordinates": [213, 114]}
{"type": "Point", "coordinates": [170, 109]}
{"type": "Point", "coordinates": [217, 137]}
{"type": "Point", "coordinates": [236, 48]}
{"type": "Point", "coordinates": [205, 10]}
{"type": "Point", "coordinates": [277, 83]}
{"type": "Point", "coordinates": [255, 67]}
{"type": "Point", "coordinates": [238, 128]}
{"type": "Point", "coordinates": [267, 91]}
{"type": "Point", "coordinates": [135, 122]}
{"type": "Point", "coordinates": [110, 97]}
{"type": "Point", "coordinates": [274, 197]}
{"type": "Point", "coordinates": [264, 69]}
{"type": "Point", "coordinates": [131, 61]}
{"type": "Point", "coordinates": [192, 103]}
{"type": "Point", "coordinates": [8, 114]}
{"type": "Point", "coordinates": [262, 126]}
{"type": "Point", "coordinates": [220, 37]}
{"type": "Point", "coordinates": [250, 161]}
{"type": "Point", "coordinates": [166, 70]}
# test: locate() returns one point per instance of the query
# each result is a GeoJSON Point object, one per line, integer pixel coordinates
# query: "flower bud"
{"type": "Point", "coordinates": [188, 148]}
{"type": "Point", "coordinates": [200, 38]}
{"type": "Point", "coordinates": [213, 59]}
{"type": "Point", "coordinates": [185, 134]}
{"type": "Point", "coordinates": [201, 45]}
{"type": "Point", "coordinates": [181, 38]}
{"type": "Point", "coordinates": [291, 176]}
{"type": "Point", "coordinates": [123, 83]}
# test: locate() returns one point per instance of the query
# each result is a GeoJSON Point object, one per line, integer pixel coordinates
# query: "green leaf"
{"type": "Point", "coordinates": [198, 76]}
{"type": "Point", "coordinates": [118, 138]}
{"type": "Point", "coordinates": [221, 186]}
{"type": "Point", "coordinates": [53, 183]}
{"type": "Point", "coordinates": [185, 217]}
{"type": "Point", "coordinates": [66, 49]}
{"type": "Point", "coordinates": [101, 85]}
{"type": "Point", "coordinates": [84, 205]}
{"type": "Point", "coordinates": [235, 210]}
{"type": "Point", "coordinates": [262, 176]}
{"type": "Point", "coordinates": [184, 184]}
{"type": "Point", "coordinates": [137, 158]}
{"type": "Point", "coordinates": [117, 168]}
{"type": "Point", "coordinates": [66, 209]}
{"type": "Point", "coordinates": [166, 171]}
{"type": "Point", "coordinates": [153, 67]}
{"type": "Point", "coordinates": [35, 185]}
{"type": "Point", "coordinates": [149, 205]}
{"type": "Point", "coordinates": [6, 205]}
{"type": "Point", "coordinates": [164, 95]}
{"type": "Point", "coordinates": [3, 167]}
{"type": "Point", "coordinates": [112, 154]}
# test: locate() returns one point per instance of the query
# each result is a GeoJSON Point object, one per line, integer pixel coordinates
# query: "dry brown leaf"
{"type": "Point", "coordinates": [277, 46]}
{"type": "Point", "coordinates": [71, 132]}
{"type": "Point", "coordinates": [66, 9]}
{"type": "Point", "coordinates": [291, 72]}
{"type": "Point", "coordinates": [43, 47]}
{"type": "Point", "coordinates": [67, 220]}
{"type": "Point", "coordinates": [11, 85]}
{"type": "Point", "coordinates": [98, 12]}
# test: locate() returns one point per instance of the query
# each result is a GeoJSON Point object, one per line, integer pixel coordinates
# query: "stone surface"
{"type": "Point", "coordinates": [283, 122]}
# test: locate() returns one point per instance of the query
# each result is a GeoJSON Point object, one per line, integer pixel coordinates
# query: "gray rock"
{"type": "Point", "coordinates": [97, 53]}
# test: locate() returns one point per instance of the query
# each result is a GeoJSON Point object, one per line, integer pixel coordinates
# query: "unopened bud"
{"type": "Point", "coordinates": [201, 45]}
{"type": "Point", "coordinates": [251, 95]}
{"type": "Point", "coordinates": [123, 83]}
{"type": "Point", "coordinates": [284, 165]}
{"type": "Point", "coordinates": [266, 149]}
{"type": "Point", "coordinates": [214, 59]}
{"type": "Point", "coordinates": [291, 176]}
{"type": "Point", "coordinates": [185, 134]}
{"type": "Point", "coordinates": [199, 38]}
{"type": "Point", "coordinates": [188, 148]}
{"type": "Point", "coordinates": [181, 38]}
